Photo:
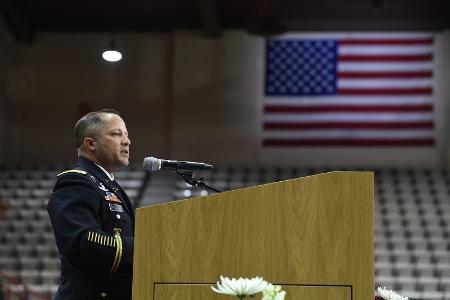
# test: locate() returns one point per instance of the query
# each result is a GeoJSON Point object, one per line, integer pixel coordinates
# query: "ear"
{"type": "Point", "coordinates": [89, 143]}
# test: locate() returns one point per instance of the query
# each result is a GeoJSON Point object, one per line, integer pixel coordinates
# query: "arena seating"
{"type": "Point", "coordinates": [412, 225]}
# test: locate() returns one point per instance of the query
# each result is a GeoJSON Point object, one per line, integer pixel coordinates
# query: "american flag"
{"type": "Point", "coordinates": [349, 90]}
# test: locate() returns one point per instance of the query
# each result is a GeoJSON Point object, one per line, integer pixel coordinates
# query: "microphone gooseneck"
{"type": "Point", "coordinates": [185, 169]}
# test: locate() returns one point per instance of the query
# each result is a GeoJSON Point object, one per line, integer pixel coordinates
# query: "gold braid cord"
{"type": "Point", "coordinates": [109, 241]}
{"type": "Point", "coordinates": [118, 257]}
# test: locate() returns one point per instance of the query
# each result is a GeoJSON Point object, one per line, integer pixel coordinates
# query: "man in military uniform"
{"type": "Point", "coordinates": [91, 215]}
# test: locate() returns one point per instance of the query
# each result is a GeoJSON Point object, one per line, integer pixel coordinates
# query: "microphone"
{"type": "Point", "coordinates": [154, 164]}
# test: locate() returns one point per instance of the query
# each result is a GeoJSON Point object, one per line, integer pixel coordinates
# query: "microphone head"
{"type": "Point", "coordinates": [152, 164]}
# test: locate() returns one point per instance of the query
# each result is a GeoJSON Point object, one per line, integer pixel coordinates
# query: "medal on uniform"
{"type": "Point", "coordinates": [112, 197]}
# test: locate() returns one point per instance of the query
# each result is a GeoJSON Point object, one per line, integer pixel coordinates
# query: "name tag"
{"type": "Point", "coordinates": [115, 207]}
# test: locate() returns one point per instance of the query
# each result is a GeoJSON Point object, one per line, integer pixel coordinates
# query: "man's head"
{"type": "Point", "coordinates": [102, 137]}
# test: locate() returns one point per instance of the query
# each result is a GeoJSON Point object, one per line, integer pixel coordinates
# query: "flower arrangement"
{"type": "Point", "coordinates": [244, 287]}
{"type": "Point", "coordinates": [390, 295]}
{"type": "Point", "coordinates": [273, 292]}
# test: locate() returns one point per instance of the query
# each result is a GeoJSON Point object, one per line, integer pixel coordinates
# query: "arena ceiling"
{"type": "Point", "coordinates": [25, 18]}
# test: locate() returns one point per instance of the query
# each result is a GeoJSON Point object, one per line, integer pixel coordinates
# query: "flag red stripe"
{"type": "Point", "coordinates": [349, 125]}
{"type": "Point", "coordinates": [385, 58]}
{"type": "Point", "coordinates": [362, 75]}
{"type": "Point", "coordinates": [386, 92]}
{"type": "Point", "coordinates": [350, 142]}
{"type": "Point", "coordinates": [416, 41]}
{"type": "Point", "coordinates": [348, 108]}
{"type": "Point", "coordinates": [411, 132]}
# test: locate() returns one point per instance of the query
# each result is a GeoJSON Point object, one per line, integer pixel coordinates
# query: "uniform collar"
{"type": "Point", "coordinates": [110, 176]}
{"type": "Point", "coordinates": [94, 167]}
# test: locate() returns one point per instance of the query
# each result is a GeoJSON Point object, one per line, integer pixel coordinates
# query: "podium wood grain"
{"type": "Point", "coordinates": [309, 234]}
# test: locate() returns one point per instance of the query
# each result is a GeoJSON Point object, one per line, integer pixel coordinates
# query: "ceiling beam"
{"type": "Point", "coordinates": [16, 21]}
{"type": "Point", "coordinates": [266, 18]}
{"type": "Point", "coordinates": [209, 17]}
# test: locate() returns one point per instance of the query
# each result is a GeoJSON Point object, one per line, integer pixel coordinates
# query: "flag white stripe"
{"type": "Point", "coordinates": [384, 83]}
{"type": "Point", "coordinates": [346, 123]}
{"type": "Point", "coordinates": [383, 50]}
{"type": "Point", "coordinates": [348, 100]}
{"type": "Point", "coordinates": [348, 116]}
{"type": "Point", "coordinates": [357, 134]}
{"type": "Point", "coordinates": [384, 67]}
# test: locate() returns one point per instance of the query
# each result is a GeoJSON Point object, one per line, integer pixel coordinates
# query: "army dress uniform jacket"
{"type": "Point", "coordinates": [93, 223]}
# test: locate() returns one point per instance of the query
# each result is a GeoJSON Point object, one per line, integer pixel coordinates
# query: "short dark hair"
{"type": "Point", "coordinates": [90, 124]}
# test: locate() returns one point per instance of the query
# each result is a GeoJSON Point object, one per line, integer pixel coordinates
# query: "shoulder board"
{"type": "Point", "coordinates": [72, 171]}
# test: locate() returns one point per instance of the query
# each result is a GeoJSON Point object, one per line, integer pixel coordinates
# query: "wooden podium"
{"type": "Point", "coordinates": [312, 235]}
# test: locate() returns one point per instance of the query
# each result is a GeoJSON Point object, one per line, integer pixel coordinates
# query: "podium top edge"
{"type": "Point", "coordinates": [337, 172]}
{"type": "Point", "coordinates": [330, 173]}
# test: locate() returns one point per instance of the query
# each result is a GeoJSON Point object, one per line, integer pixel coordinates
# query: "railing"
{"type": "Point", "coordinates": [15, 289]}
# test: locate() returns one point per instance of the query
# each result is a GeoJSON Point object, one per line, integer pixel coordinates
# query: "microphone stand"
{"type": "Point", "coordinates": [188, 177]}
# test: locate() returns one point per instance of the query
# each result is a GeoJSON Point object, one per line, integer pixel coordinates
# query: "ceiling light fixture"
{"type": "Point", "coordinates": [112, 54]}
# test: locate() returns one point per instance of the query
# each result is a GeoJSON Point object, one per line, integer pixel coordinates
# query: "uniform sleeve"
{"type": "Point", "coordinates": [74, 213]}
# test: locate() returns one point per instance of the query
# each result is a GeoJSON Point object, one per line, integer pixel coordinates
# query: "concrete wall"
{"type": "Point", "coordinates": [7, 57]}
{"type": "Point", "coordinates": [217, 98]}
{"type": "Point", "coordinates": [182, 96]}
{"type": "Point", "coordinates": [60, 72]}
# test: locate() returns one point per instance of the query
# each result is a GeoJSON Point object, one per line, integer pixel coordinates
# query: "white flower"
{"type": "Point", "coordinates": [241, 287]}
{"type": "Point", "coordinates": [390, 295]}
{"type": "Point", "coordinates": [273, 292]}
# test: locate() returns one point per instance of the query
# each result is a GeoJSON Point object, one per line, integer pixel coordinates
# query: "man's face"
{"type": "Point", "coordinates": [112, 145]}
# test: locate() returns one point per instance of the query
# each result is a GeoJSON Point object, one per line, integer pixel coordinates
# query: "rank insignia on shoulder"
{"type": "Point", "coordinates": [112, 197]}
{"type": "Point", "coordinates": [72, 171]}
{"type": "Point", "coordinates": [115, 207]}
{"type": "Point", "coordinates": [103, 188]}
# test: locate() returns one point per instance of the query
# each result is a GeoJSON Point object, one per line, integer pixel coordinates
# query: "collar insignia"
{"type": "Point", "coordinates": [103, 188]}
{"type": "Point", "coordinates": [113, 188]}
